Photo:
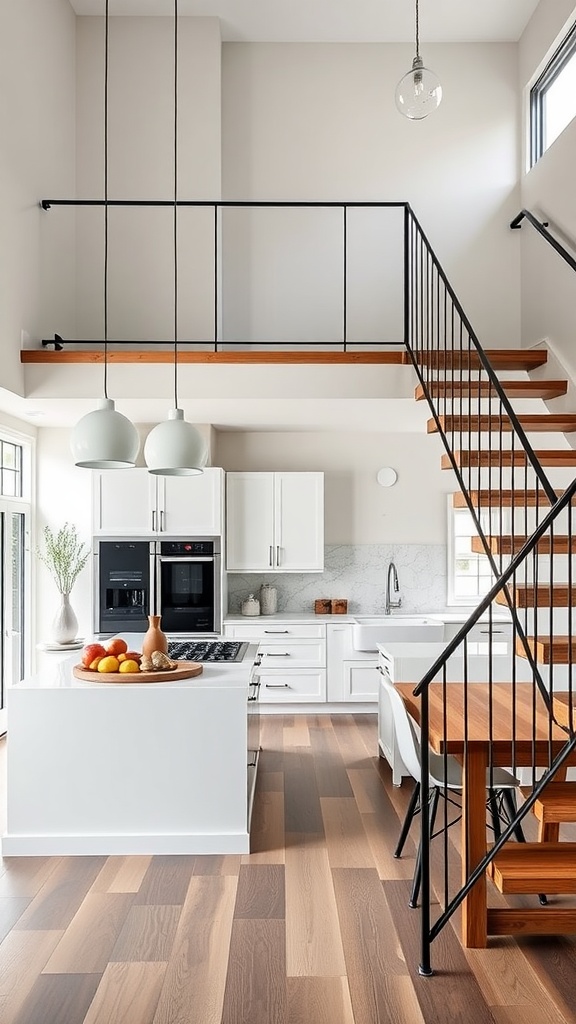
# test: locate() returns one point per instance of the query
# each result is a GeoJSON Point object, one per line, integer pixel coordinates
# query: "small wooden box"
{"type": "Point", "coordinates": [323, 606]}
{"type": "Point", "coordinates": [339, 607]}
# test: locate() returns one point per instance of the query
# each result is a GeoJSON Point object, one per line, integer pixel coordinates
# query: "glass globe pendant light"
{"type": "Point", "coordinates": [419, 92]}
{"type": "Point", "coordinates": [175, 447]}
{"type": "Point", "coordinates": [104, 438]}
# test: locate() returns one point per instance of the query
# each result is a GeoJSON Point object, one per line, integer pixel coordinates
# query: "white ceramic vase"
{"type": "Point", "coordinates": [65, 623]}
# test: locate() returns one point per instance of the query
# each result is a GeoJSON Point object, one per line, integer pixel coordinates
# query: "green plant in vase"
{"type": "Point", "coordinates": [64, 556]}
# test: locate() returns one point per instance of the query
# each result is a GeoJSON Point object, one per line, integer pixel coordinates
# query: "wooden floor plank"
{"type": "Point", "coordinates": [147, 934]}
{"type": "Point", "coordinates": [11, 910]}
{"type": "Point", "coordinates": [196, 974]}
{"type": "Point", "coordinates": [318, 1001]}
{"type": "Point", "coordinates": [267, 831]}
{"type": "Point", "coordinates": [372, 954]}
{"type": "Point", "coordinates": [302, 800]}
{"type": "Point", "coordinates": [297, 733]}
{"type": "Point", "coordinates": [58, 999]}
{"type": "Point", "coordinates": [256, 982]}
{"type": "Point", "coordinates": [25, 876]}
{"type": "Point", "coordinates": [452, 984]}
{"type": "Point", "coordinates": [122, 874]}
{"type": "Point", "coordinates": [57, 901]}
{"type": "Point", "coordinates": [126, 993]}
{"type": "Point", "coordinates": [261, 892]}
{"type": "Point", "coordinates": [508, 981]}
{"type": "Point", "coordinates": [166, 881]}
{"type": "Point", "coordinates": [313, 941]}
{"type": "Point", "coordinates": [221, 864]}
{"type": "Point", "coordinates": [90, 937]}
{"type": "Point", "coordinates": [346, 839]}
{"type": "Point", "coordinates": [23, 954]}
{"type": "Point", "coordinates": [555, 960]}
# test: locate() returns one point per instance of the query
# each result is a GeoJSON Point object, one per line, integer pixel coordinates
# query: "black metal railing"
{"type": "Point", "coordinates": [525, 534]}
{"type": "Point", "coordinates": [541, 227]}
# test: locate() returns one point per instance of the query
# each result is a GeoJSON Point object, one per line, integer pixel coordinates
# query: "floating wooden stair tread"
{"type": "Point", "coordinates": [503, 499]}
{"type": "Point", "coordinates": [505, 459]}
{"type": "Point", "coordinates": [535, 867]}
{"type": "Point", "coordinates": [508, 545]}
{"type": "Point", "coordinates": [559, 651]}
{"type": "Point", "coordinates": [542, 596]}
{"type": "Point", "coordinates": [563, 712]}
{"type": "Point", "coordinates": [541, 423]}
{"type": "Point", "coordinates": [499, 359]}
{"type": "Point", "coordinates": [556, 803]}
{"type": "Point", "coordinates": [458, 390]}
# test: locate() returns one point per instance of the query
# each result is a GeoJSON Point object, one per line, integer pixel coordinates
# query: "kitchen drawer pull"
{"type": "Point", "coordinates": [492, 631]}
{"type": "Point", "coordinates": [277, 686]}
{"type": "Point", "coordinates": [276, 632]}
{"type": "Point", "coordinates": [285, 654]}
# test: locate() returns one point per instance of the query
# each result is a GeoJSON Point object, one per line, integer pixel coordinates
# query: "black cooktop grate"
{"type": "Point", "coordinates": [206, 650]}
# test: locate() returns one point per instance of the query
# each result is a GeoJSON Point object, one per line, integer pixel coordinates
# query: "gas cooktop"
{"type": "Point", "coordinates": [207, 650]}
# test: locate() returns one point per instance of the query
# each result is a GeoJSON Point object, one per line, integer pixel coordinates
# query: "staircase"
{"type": "Point", "coordinates": [521, 499]}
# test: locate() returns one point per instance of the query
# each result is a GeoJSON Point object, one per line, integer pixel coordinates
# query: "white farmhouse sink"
{"type": "Point", "coordinates": [370, 630]}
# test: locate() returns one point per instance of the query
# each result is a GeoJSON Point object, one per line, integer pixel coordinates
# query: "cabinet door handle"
{"type": "Point", "coordinates": [270, 559]}
{"type": "Point", "coordinates": [492, 631]}
{"type": "Point", "coordinates": [285, 654]}
{"type": "Point", "coordinates": [277, 686]}
{"type": "Point", "coordinates": [277, 554]}
{"type": "Point", "coordinates": [276, 632]}
{"type": "Point", "coordinates": [153, 521]}
{"type": "Point", "coordinates": [161, 520]}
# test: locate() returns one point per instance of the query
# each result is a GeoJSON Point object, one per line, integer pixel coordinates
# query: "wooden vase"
{"type": "Point", "coordinates": [154, 639]}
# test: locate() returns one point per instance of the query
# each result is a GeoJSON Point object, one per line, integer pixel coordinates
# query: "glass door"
{"type": "Point", "coordinates": [13, 593]}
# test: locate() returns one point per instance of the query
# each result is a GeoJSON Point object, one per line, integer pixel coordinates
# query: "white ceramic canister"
{"type": "Point", "coordinates": [268, 599]}
{"type": "Point", "coordinates": [251, 606]}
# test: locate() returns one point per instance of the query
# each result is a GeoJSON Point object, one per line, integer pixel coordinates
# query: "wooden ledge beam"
{"type": "Point", "coordinates": [216, 358]}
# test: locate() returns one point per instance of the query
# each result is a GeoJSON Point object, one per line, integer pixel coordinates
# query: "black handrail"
{"type": "Point", "coordinates": [542, 229]}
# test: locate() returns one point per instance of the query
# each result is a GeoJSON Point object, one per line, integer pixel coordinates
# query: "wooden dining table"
{"type": "Point", "coordinates": [515, 731]}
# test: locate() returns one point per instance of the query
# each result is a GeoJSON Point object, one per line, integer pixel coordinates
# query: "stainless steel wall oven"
{"type": "Point", "coordinates": [179, 579]}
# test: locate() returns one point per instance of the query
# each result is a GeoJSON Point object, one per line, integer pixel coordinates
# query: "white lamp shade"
{"type": "Point", "coordinates": [175, 447]}
{"type": "Point", "coordinates": [105, 439]}
{"type": "Point", "coordinates": [419, 92]}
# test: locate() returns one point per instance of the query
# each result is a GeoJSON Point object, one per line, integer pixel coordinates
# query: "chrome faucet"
{"type": "Point", "coordinates": [392, 572]}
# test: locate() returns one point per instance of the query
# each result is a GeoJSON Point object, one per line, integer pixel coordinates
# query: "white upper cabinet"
{"type": "Point", "coordinates": [134, 502]}
{"type": "Point", "coordinates": [275, 522]}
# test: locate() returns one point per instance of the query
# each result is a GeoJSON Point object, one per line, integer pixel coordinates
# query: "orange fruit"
{"type": "Point", "coordinates": [129, 666]}
{"type": "Point", "coordinates": [108, 664]}
{"type": "Point", "coordinates": [116, 647]}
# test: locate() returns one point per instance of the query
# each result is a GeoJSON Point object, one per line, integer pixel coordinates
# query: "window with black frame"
{"type": "Point", "coordinates": [553, 98]}
{"type": "Point", "coordinates": [14, 530]}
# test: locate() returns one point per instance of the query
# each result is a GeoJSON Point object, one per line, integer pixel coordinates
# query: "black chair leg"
{"type": "Point", "coordinates": [510, 802]}
{"type": "Point", "coordinates": [494, 813]}
{"type": "Point", "coordinates": [408, 820]}
{"type": "Point", "coordinates": [432, 808]}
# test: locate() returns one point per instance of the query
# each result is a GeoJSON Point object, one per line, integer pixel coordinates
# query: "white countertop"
{"type": "Point", "coordinates": [58, 675]}
{"type": "Point", "coordinates": [443, 616]}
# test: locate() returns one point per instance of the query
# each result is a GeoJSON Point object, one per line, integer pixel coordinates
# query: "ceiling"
{"type": "Point", "coordinates": [346, 21]}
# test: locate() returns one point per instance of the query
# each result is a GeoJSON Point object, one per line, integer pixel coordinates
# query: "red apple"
{"type": "Point", "coordinates": [90, 652]}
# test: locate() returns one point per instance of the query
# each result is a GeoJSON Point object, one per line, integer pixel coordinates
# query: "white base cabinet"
{"type": "Point", "coordinates": [275, 522]}
{"type": "Point", "coordinates": [352, 675]}
{"type": "Point", "coordinates": [134, 502]}
{"type": "Point", "coordinates": [292, 659]}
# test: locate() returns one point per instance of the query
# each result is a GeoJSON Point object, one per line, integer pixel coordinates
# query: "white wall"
{"type": "Point", "coordinates": [357, 509]}
{"type": "Point", "coordinates": [312, 121]}
{"type": "Point", "coordinates": [548, 284]}
{"type": "Point", "coordinates": [36, 161]}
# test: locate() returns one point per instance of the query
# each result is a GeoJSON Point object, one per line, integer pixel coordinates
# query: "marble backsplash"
{"type": "Point", "coordinates": [358, 573]}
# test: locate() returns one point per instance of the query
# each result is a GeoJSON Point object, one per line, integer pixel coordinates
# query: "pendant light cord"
{"type": "Point", "coordinates": [175, 220]}
{"type": "Point", "coordinates": [106, 54]}
{"type": "Point", "coordinates": [417, 31]}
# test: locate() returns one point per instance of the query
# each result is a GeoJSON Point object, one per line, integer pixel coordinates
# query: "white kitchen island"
{"type": "Point", "coordinates": [133, 768]}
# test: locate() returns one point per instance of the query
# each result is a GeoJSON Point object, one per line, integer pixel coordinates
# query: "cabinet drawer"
{"type": "Point", "coordinates": [275, 630]}
{"type": "Point", "coordinates": [361, 680]}
{"type": "Point", "coordinates": [282, 653]}
{"type": "Point", "coordinates": [292, 687]}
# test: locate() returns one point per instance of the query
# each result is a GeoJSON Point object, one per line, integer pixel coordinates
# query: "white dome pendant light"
{"type": "Point", "coordinates": [419, 92]}
{"type": "Point", "coordinates": [175, 447]}
{"type": "Point", "coordinates": [104, 438]}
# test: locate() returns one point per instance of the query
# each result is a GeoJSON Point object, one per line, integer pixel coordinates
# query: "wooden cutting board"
{"type": "Point", "coordinates": [184, 670]}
